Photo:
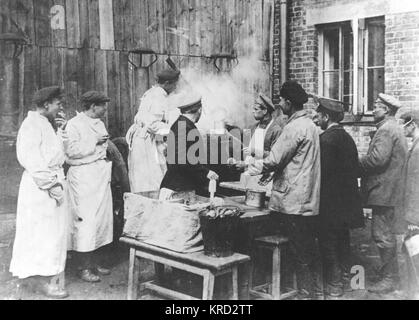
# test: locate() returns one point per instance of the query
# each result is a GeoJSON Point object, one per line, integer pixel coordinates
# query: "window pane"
{"type": "Point", "coordinates": [331, 49]}
{"type": "Point", "coordinates": [376, 43]}
{"type": "Point", "coordinates": [375, 85]}
{"type": "Point", "coordinates": [331, 85]}
{"type": "Point", "coordinates": [348, 87]}
{"type": "Point", "coordinates": [348, 49]}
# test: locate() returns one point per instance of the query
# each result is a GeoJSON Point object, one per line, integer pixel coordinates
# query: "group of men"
{"type": "Point", "coordinates": [315, 196]}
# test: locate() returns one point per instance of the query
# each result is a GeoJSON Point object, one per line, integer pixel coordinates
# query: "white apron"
{"type": "Point", "coordinates": [258, 144]}
{"type": "Point", "coordinates": [40, 245]}
{"type": "Point", "coordinates": [146, 160]}
{"type": "Point", "coordinates": [89, 185]}
{"type": "Point", "coordinates": [90, 198]}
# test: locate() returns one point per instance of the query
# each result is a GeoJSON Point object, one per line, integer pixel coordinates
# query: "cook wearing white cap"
{"type": "Point", "coordinates": [382, 171]}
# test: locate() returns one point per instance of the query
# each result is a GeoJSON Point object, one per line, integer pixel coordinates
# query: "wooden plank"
{"type": "Point", "coordinates": [107, 39]}
{"type": "Point", "coordinates": [168, 293]}
{"type": "Point", "coordinates": [128, 22]}
{"type": "Point", "coordinates": [126, 117]}
{"type": "Point", "coordinates": [58, 33]}
{"type": "Point", "coordinates": [183, 29]}
{"type": "Point", "coordinates": [31, 75]}
{"type": "Point", "coordinates": [42, 23]}
{"type": "Point", "coordinates": [258, 27]}
{"type": "Point", "coordinates": [25, 18]}
{"type": "Point", "coordinates": [133, 275]}
{"type": "Point", "coordinates": [266, 30]}
{"type": "Point", "coordinates": [73, 24]}
{"type": "Point", "coordinates": [84, 23]}
{"type": "Point", "coordinates": [101, 77]}
{"type": "Point", "coordinates": [94, 25]}
{"type": "Point", "coordinates": [71, 82]}
{"type": "Point", "coordinates": [114, 93]}
{"type": "Point", "coordinates": [216, 22]}
{"type": "Point", "coordinates": [197, 260]}
{"type": "Point", "coordinates": [170, 26]}
{"type": "Point", "coordinates": [118, 23]}
{"type": "Point", "coordinates": [57, 66]}
{"type": "Point", "coordinates": [86, 70]}
{"type": "Point", "coordinates": [46, 77]}
{"type": "Point", "coordinates": [194, 34]}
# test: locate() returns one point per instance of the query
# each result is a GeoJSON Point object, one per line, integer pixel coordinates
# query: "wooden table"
{"type": "Point", "coordinates": [197, 263]}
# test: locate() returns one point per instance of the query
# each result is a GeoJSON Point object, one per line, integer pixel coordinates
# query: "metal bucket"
{"type": "Point", "coordinates": [255, 198]}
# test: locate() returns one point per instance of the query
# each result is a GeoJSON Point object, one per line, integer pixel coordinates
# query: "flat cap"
{"type": "Point", "coordinates": [267, 102]}
{"type": "Point", "coordinates": [46, 94]}
{"type": "Point", "coordinates": [193, 103]}
{"type": "Point", "coordinates": [294, 92]}
{"type": "Point", "coordinates": [331, 105]}
{"type": "Point", "coordinates": [94, 97]}
{"type": "Point", "coordinates": [168, 75]}
{"type": "Point", "coordinates": [390, 101]}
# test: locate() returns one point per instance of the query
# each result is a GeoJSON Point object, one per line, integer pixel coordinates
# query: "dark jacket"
{"type": "Point", "coordinates": [340, 201]}
{"type": "Point", "coordinates": [182, 174]}
{"type": "Point", "coordinates": [382, 166]}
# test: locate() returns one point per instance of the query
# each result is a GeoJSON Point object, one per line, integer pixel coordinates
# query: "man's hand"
{"type": "Point", "coordinates": [102, 139]}
{"type": "Point", "coordinates": [249, 151]}
{"type": "Point", "coordinates": [60, 123]}
{"type": "Point", "coordinates": [212, 176]}
{"type": "Point", "coordinates": [266, 178]}
{"type": "Point", "coordinates": [57, 194]}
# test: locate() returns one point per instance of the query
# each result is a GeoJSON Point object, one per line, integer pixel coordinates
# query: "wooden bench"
{"type": "Point", "coordinates": [197, 263]}
{"type": "Point", "coordinates": [273, 243]}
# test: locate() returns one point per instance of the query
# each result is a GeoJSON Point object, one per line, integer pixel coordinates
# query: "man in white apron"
{"type": "Point", "coordinates": [40, 244]}
{"type": "Point", "coordinates": [264, 134]}
{"type": "Point", "coordinates": [146, 160]}
{"type": "Point", "coordinates": [89, 177]}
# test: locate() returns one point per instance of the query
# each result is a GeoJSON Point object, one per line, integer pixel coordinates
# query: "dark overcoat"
{"type": "Point", "coordinates": [340, 201]}
{"type": "Point", "coordinates": [185, 172]}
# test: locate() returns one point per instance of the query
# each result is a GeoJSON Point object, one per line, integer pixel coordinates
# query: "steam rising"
{"type": "Point", "coordinates": [227, 97]}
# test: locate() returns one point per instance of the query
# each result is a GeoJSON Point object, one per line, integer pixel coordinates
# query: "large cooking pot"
{"type": "Point", "coordinates": [255, 198]}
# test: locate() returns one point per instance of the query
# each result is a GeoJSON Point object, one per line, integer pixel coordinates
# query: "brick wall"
{"type": "Point", "coordinates": [302, 49]}
{"type": "Point", "coordinates": [402, 57]}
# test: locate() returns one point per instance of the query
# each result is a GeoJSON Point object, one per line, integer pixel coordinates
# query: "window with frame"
{"type": "Point", "coordinates": [343, 46]}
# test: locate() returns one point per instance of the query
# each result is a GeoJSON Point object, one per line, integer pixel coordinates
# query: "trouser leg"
{"type": "Point", "coordinates": [385, 239]}
{"type": "Point", "coordinates": [302, 244]}
{"type": "Point", "coordinates": [329, 248]}
{"type": "Point", "coordinates": [85, 260]}
{"type": "Point", "coordinates": [344, 250]}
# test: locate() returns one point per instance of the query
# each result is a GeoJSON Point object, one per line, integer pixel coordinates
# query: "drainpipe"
{"type": "Point", "coordinates": [284, 42]}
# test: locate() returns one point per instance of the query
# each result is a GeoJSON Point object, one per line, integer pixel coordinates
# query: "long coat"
{"type": "Point", "coordinates": [382, 167]}
{"type": "Point", "coordinates": [40, 245]}
{"type": "Point", "coordinates": [295, 159]}
{"type": "Point", "coordinates": [146, 162]}
{"type": "Point", "coordinates": [340, 201]}
{"type": "Point", "coordinates": [183, 173]}
{"type": "Point", "coordinates": [89, 185]}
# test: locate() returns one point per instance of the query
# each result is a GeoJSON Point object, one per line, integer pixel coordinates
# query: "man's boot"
{"type": "Point", "coordinates": [389, 271]}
